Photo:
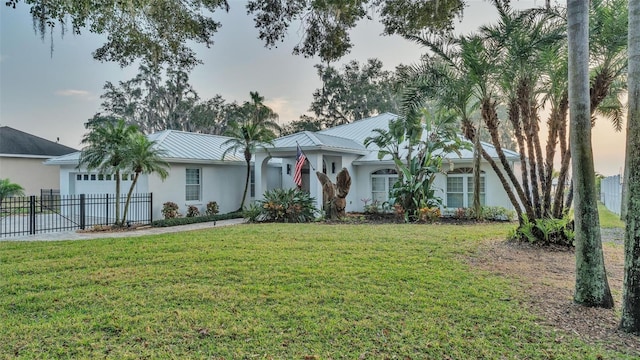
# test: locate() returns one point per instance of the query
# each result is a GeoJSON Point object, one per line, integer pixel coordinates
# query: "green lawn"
{"type": "Point", "coordinates": [609, 219]}
{"type": "Point", "coordinates": [270, 292]}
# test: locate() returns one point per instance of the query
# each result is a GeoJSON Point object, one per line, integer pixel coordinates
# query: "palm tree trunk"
{"type": "Point", "coordinates": [477, 205]}
{"type": "Point", "coordinates": [540, 163]}
{"type": "Point", "coordinates": [246, 186]}
{"type": "Point", "coordinates": [530, 130]}
{"type": "Point", "coordinates": [555, 123]}
{"type": "Point", "coordinates": [630, 321]}
{"type": "Point", "coordinates": [558, 199]}
{"type": "Point", "coordinates": [592, 287]}
{"type": "Point", "coordinates": [491, 121]}
{"type": "Point", "coordinates": [514, 117]}
{"type": "Point", "coordinates": [126, 205]}
{"type": "Point", "coordinates": [565, 158]}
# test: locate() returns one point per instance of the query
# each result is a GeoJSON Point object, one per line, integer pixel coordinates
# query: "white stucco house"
{"type": "Point", "coordinates": [199, 175]}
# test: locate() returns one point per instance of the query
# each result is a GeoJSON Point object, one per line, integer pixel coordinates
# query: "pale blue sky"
{"type": "Point", "coordinates": [52, 96]}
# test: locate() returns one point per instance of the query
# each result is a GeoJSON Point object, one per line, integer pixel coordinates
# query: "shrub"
{"type": "Point", "coordinates": [489, 213]}
{"type": "Point", "coordinates": [497, 213]}
{"type": "Point", "coordinates": [286, 205]}
{"type": "Point", "coordinates": [373, 208]}
{"type": "Point", "coordinates": [546, 231]}
{"type": "Point", "coordinates": [194, 220]}
{"type": "Point", "coordinates": [170, 210]}
{"type": "Point", "coordinates": [212, 208]}
{"type": "Point", "coordinates": [429, 214]}
{"type": "Point", "coordinates": [193, 211]}
{"type": "Point", "coordinates": [252, 213]}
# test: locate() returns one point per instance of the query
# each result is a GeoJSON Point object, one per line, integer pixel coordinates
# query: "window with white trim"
{"type": "Point", "coordinates": [460, 188]}
{"type": "Point", "coordinates": [381, 183]}
{"type": "Point", "coordinates": [192, 187]}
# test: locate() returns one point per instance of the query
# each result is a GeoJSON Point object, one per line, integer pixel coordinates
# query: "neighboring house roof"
{"type": "Point", "coordinates": [178, 146]}
{"type": "Point", "coordinates": [21, 144]}
{"type": "Point", "coordinates": [317, 140]}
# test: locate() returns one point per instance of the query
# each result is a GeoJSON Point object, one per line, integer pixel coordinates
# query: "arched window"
{"type": "Point", "coordinates": [460, 188]}
{"type": "Point", "coordinates": [381, 182]}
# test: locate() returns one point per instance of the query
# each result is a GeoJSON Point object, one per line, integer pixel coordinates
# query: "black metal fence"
{"type": "Point", "coordinates": [52, 212]}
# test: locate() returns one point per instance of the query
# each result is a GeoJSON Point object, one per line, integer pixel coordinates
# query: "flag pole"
{"type": "Point", "coordinates": [306, 157]}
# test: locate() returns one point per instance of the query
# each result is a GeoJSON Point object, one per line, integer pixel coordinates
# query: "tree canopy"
{"type": "Point", "coordinates": [160, 31]}
{"type": "Point", "coordinates": [154, 31]}
{"type": "Point", "coordinates": [326, 24]}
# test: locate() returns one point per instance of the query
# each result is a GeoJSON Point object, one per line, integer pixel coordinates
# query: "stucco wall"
{"type": "Point", "coordinates": [29, 173]}
{"type": "Point", "coordinates": [494, 192]}
{"type": "Point", "coordinates": [221, 183]}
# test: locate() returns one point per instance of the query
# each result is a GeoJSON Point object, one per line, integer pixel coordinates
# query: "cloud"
{"type": "Point", "coordinates": [83, 94]}
{"type": "Point", "coordinates": [283, 108]}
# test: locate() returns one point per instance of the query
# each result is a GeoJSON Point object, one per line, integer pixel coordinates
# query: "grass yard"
{"type": "Point", "coordinates": [608, 219]}
{"type": "Point", "coordinates": [272, 292]}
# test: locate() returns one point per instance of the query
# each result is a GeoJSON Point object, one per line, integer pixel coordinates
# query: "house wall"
{"type": "Point", "coordinates": [223, 184]}
{"type": "Point", "coordinates": [361, 189]}
{"type": "Point", "coordinates": [30, 173]}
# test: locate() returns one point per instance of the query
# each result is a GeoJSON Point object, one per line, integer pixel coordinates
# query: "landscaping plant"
{"type": "Point", "coordinates": [170, 210]}
{"type": "Point", "coordinates": [286, 205]}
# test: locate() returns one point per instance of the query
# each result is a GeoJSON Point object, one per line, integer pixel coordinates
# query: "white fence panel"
{"type": "Point", "coordinates": [611, 193]}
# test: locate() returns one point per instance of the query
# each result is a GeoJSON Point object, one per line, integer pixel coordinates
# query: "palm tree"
{"type": "Point", "coordinates": [9, 189]}
{"type": "Point", "coordinates": [143, 157]}
{"type": "Point", "coordinates": [106, 151]}
{"type": "Point", "coordinates": [592, 287]}
{"type": "Point", "coordinates": [256, 129]}
{"type": "Point", "coordinates": [630, 321]}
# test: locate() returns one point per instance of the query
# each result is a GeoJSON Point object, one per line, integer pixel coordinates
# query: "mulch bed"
{"type": "Point", "coordinates": [548, 275]}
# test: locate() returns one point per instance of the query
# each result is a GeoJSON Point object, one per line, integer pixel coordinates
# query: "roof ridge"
{"type": "Point", "coordinates": [313, 137]}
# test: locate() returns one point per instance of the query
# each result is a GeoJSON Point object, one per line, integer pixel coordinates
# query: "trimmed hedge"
{"type": "Point", "coordinates": [195, 219]}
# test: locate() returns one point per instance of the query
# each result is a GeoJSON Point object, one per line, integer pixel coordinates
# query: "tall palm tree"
{"type": "Point", "coordinates": [105, 150]}
{"type": "Point", "coordinates": [9, 189]}
{"type": "Point", "coordinates": [142, 157]}
{"type": "Point", "coordinates": [592, 287]}
{"type": "Point", "coordinates": [257, 129]}
{"type": "Point", "coordinates": [630, 321]}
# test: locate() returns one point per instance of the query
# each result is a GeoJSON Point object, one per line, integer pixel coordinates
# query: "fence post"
{"type": "Point", "coordinates": [32, 215]}
{"type": "Point", "coordinates": [82, 212]}
{"type": "Point", "coordinates": [150, 207]}
{"type": "Point", "coordinates": [106, 218]}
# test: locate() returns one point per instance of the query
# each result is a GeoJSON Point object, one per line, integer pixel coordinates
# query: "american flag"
{"type": "Point", "coordinates": [297, 174]}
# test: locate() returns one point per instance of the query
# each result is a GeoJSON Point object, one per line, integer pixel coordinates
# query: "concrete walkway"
{"type": "Point", "coordinates": [73, 235]}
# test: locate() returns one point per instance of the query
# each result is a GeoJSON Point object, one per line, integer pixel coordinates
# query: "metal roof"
{"type": "Point", "coordinates": [179, 146]}
{"type": "Point", "coordinates": [182, 145]}
{"type": "Point", "coordinates": [360, 129]}
{"type": "Point", "coordinates": [308, 140]}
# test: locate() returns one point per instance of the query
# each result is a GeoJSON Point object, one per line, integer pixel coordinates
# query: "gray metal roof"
{"type": "Point", "coordinates": [179, 146]}
{"type": "Point", "coordinates": [360, 129]}
{"type": "Point", "coordinates": [20, 143]}
{"type": "Point", "coordinates": [309, 140]}
{"type": "Point", "coordinates": [182, 145]}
